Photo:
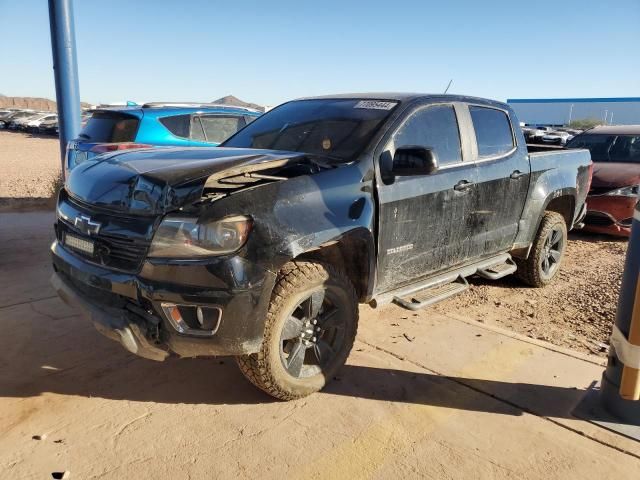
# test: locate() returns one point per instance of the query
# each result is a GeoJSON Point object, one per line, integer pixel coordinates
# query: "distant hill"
{"type": "Point", "coordinates": [231, 100]}
{"type": "Point", "coordinates": [33, 103]}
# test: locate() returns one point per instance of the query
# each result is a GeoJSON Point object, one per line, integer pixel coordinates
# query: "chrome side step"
{"type": "Point", "coordinates": [433, 295]}
{"type": "Point", "coordinates": [499, 270]}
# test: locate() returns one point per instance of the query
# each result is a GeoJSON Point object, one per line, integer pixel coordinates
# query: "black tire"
{"type": "Point", "coordinates": [305, 292]}
{"type": "Point", "coordinates": [547, 252]}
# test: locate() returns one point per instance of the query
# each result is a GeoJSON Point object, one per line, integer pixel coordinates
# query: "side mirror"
{"type": "Point", "coordinates": [414, 160]}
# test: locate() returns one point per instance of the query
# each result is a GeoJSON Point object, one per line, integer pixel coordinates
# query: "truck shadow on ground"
{"type": "Point", "coordinates": [86, 365]}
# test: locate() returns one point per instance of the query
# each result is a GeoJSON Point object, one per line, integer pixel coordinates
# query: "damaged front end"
{"type": "Point", "coordinates": [148, 250]}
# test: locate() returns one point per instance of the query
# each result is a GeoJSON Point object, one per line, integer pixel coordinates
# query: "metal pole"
{"type": "Point", "coordinates": [621, 383]}
{"type": "Point", "coordinates": [570, 114]}
{"type": "Point", "coordinates": [65, 69]}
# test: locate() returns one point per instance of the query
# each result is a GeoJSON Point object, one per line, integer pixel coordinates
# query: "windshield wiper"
{"type": "Point", "coordinates": [321, 159]}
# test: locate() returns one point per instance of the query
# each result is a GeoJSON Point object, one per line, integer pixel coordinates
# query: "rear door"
{"type": "Point", "coordinates": [502, 184]}
{"type": "Point", "coordinates": [422, 218]}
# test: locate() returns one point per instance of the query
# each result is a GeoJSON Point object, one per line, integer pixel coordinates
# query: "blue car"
{"type": "Point", "coordinates": [156, 124]}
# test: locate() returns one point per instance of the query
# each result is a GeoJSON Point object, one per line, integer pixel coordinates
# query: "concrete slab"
{"type": "Point", "coordinates": [426, 396]}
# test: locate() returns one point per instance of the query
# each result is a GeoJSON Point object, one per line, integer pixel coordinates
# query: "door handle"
{"type": "Point", "coordinates": [462, 186]}
{"type": "Point", "coordinates": [516, 175]}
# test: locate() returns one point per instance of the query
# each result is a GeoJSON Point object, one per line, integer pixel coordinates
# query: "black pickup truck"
{"type": "Point", "coordinates": [262, 249]}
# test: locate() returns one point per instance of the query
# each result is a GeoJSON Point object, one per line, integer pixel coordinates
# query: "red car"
{"type": "Point", "coordinates": [615, 151]}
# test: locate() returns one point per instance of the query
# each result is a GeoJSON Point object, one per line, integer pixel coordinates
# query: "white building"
{"type": "Point", "coordinates": [561, 111]}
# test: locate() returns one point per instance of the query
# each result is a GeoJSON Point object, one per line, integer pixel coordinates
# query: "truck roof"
{"type": "Point", "coordinates": [408, 96]}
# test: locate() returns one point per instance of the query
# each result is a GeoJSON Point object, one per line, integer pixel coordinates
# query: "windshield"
{"type": "Point", "coordinates": [609, 148]}
{"type": "Point", "coordinates": [327, 127]}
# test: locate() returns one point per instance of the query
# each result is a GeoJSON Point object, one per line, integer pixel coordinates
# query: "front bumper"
{"type": "Point", "coordinates": [127, 307]}
{"type": "Point", "coordinates": [610, 214]}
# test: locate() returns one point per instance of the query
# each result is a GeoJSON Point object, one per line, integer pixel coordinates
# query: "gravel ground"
{"type": "Point", "coordinates": [577, 311]}
{"type": "Point", "coordinates": [29, 165]}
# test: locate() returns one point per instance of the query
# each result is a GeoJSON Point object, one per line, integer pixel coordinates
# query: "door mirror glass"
{"type": "Point", "coordinates": [414, 160]}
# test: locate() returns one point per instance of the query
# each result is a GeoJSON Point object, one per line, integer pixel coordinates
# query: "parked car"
{"type": "Point", "coordinates": [49, 127]}
{"type": "Point", "coordinates": [263, 250]}
{"type": "Point", "coordinates": [10, 119]}
{"type": "Point", "coordinates": [615, 151]}
{"type": "Point", "coordinates": [32, 124]}
{"type": "Point", "coordinates": [535, 134]}
{"type": "Point", "coordinates": [21, 123]}
{"type": "Point", "coordinates": [557, 138]}
{"type": "Point", "coordinates": [156, 124]}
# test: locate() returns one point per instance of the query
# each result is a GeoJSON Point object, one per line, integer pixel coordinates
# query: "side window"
{"type": "Point", "coordinates": [218, 128]}
{"type": "Point", "coordinates": [177, 124]}
{"type": "Point", "coordinates": [196, 130]}
{"type": "Point", "coordinates": [625, 149]}
{"type": "Point", "coordinates": [493, 131]}
{"type": "Point", "coordinates": [435, 127]}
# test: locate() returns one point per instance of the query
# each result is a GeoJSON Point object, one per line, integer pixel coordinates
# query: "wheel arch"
{"type": "Point", "coordinates": [564, 205]}
{"type": "Point", "coordinates": [562, 201]}
{"type": "Point", "coordinates": [352, 252]}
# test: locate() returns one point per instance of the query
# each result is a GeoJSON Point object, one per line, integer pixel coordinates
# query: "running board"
{"type": "Point", "coordinates": [499, 270]}
{"type": "Point", "coordinates": [433, 295]}
{"type": "Point", "coordinates": [440, 280]}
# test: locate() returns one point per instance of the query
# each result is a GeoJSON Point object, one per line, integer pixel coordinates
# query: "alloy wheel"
{"type": "Point", "coordinates": [312, 335]}
{"type": "Point", "coordinates": [552, 252]}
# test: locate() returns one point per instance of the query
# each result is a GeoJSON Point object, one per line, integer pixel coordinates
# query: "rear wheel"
{"type": "Point", "coordinates": [310, 329]}
{"type": "Point", "coordinates": [546, 253]}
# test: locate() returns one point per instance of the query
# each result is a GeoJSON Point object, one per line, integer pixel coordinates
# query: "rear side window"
{"type": "Point", "coordinates": [435, 127]}
{"type": "Point", "coordinates": [493, 131]}
{"type": "Point", "coordinates": [626, 148]}
{"type": "Point", "coordinates": [177, 124]}
{"type": "Point", "coordinates": [598, 145]}
{"type": "Point", "coordinates": [218, 128]}
{"type": "Point", "coordinates": [110, 127]}
{"type": "Point", "coordinates": [196, 130]}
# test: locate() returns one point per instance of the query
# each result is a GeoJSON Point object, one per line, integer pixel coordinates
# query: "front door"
{"type": "Point", "coordinates": [423, 218]}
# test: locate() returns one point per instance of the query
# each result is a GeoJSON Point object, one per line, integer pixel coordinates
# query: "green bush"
{"type": "Point", "coordinates": [585, 123]}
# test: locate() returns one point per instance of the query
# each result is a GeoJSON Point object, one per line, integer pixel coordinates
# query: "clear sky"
{"type": "Point", "coordinates": [270, 51]}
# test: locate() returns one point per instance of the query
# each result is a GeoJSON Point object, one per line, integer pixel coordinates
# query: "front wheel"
{"type": "Point", "coordinates": [309, 331]}
{"type": "Point", "coordinates": [547, 252]}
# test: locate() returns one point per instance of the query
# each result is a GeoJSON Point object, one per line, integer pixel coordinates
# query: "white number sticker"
{"type": "Point", "coordinates": [375, 105]}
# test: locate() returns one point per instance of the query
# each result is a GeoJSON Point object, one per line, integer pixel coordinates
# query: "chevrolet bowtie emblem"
{"type": "Point", "coordinates": [86, 226]}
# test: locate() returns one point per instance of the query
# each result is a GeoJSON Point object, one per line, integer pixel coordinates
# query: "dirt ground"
{"type": "Point", "coordinates": [576, 312]}
{"type": "Point", "coordinates": [28, 164]}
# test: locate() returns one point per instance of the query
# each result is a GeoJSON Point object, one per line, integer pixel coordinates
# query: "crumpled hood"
{"type": "Point", "coordinates": [157, 180]}
{"type": "Point", "coordinates": [615, 175]}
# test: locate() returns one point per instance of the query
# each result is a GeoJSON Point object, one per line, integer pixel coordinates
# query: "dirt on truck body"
{"type": "Point", "coordinates": [262, 249]}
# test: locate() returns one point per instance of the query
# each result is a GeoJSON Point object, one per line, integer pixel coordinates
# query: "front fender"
{"type": "Point", "coordinates": [297, 215]}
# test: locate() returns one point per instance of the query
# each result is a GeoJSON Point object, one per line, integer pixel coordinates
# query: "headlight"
{"type": "Point", "coordinates": [184, 237]}
{"type": "Point", "coordinates": [631, 191]}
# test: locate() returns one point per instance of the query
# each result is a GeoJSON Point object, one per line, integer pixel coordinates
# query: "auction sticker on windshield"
{"type": "Point", "coordinates": [375, 105]}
